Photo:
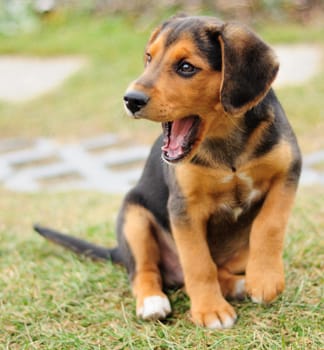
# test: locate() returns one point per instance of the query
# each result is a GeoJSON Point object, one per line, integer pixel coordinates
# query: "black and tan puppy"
{"type": "Point", "coordinates": [213, 214]}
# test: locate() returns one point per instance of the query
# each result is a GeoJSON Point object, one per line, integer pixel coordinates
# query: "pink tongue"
{"type": "Point", "coordinates": [179, 130]}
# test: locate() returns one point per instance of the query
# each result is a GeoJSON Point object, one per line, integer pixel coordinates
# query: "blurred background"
{"type": "Point", "coordinates": [64, 66]}
{"type": "Point", "coordinates": [68, 152]}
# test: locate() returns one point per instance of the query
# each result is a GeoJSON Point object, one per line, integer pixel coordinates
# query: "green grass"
{"type": "Point", "coordinates": [51, 299]}
{"type": "Point", "coordinates": [304, 107]}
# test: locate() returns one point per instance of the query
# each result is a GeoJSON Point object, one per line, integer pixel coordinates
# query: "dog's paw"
{"type": "Point", "coordinates": [239, 290]}
{"type": "Point", "coordinates": [220, 316]}
{"type": "Point", "coordinates": [264, 286]}
{"type": "Point", "coordinates": [232, 286]}
{"type": "Point", "coordinates": [154, 307]}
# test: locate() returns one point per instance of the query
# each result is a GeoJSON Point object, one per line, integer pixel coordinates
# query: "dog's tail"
{"type": "Point", "coordinates": [79, 246]}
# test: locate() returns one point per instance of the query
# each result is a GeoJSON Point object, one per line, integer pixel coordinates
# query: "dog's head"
{"type": "Point", "coordinates": [198, 72]}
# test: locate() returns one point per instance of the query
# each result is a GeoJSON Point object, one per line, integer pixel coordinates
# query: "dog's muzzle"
{"type": "Point", "coordinates": [135, 101]}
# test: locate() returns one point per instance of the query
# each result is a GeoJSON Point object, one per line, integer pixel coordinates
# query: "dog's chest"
{"type": "Point", "coordinates": [234, 203]}
{"type": "Point", "coordinates": [225, 193]}
{"type": "Point", "coordinates": [234, 194]}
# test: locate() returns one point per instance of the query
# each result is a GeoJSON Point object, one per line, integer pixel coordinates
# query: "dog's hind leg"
{"type": "Point", "coordinates": [231, 275]}
{"type": "Point", "coordinates": [232, 286]}
{"type": "Point", "coordinates": [138, 229]}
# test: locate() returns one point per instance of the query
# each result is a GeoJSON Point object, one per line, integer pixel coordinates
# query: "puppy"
{"type": "Point", "coordinates": [212, 215]}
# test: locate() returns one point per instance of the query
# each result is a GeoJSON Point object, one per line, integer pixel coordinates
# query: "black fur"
{"type": "Point", "coordinates": [158, 190]}
{"type": "Point", "coordinates": [79, 246]}
{"type": "Point", "coordinates": [153, 194]}
{"type": "Point", "coordinates": [157, 182]}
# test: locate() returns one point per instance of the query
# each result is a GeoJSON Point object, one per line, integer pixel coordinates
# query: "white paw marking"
{"type": "Point", "coordinates": [154, 308]}
{"type": "Point", "coordinates": [228, 322]}
{"type": "Point", "coordinates": [257, 300]}
{"type": "Point", "coordinates": [216, 324]}
{"type": "Point", "coordinates": [240, 287]}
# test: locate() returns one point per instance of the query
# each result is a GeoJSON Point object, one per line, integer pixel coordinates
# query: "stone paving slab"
{"type": "Point", "coordinates": [100, 164]}
{"type": "Point", "coordinates": [47, 165]}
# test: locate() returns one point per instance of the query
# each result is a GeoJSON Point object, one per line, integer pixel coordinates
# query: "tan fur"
{"type": "Point", "coordinates": [204, 197]}
{"type": "Point", "coordinates": [138, 232]}
{"type": "Point", "coordinates": [219, 189]}
{"type": "Point", "coordinates": [147, 279]}
{"type": "Point", "coordinates": [212, 217]}
{"type": "Point", "coordinates": [201, 280]}
{"type": "Point", "coordinates": [264, 272]}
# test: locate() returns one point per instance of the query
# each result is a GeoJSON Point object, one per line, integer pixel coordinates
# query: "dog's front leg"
{"type": "Point", "coordinates": [138, 229]}
{"type": "Point", "coordinates": [265, 273]}
{"type": "Point", "coordinates": [208, 306]}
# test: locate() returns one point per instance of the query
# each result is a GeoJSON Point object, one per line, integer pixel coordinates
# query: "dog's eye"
{"type": "Point", "coordinates": [148, 58]}
{"type": "Point", "coordinates": [186, 69]}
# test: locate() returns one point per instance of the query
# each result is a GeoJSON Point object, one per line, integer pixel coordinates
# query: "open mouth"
{"type": "Point", "coordinates": [179, 137]}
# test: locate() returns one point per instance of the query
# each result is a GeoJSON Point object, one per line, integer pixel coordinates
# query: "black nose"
{"type": "Point", "coordinates": [135, 100]}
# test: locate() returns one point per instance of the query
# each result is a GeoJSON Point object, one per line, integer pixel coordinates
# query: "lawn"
{"type": "Point", "coordinates": [51, 299]}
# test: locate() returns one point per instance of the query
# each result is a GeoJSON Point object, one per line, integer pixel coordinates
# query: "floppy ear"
{"type": "Point", "coordinates": [249, 67]}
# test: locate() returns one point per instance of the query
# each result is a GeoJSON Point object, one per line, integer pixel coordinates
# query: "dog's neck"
{"type": "Point", "coordinates": [229, 144]}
